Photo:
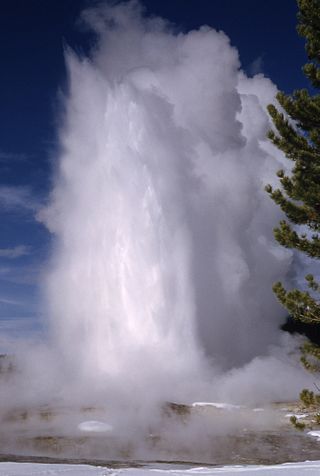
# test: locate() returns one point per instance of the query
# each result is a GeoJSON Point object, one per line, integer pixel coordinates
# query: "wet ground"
{"type": "Point", "coordinates": [203, 434]}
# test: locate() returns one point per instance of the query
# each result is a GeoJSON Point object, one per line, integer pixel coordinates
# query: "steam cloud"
{"type": "Point", "coordinates": [160, 281]}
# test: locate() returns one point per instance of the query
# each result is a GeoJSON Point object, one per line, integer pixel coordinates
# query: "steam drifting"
{"type": "Point", "coordinates": [160, 283]}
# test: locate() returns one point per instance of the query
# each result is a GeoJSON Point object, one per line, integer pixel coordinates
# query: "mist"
{"type": "Point", "coordinates": [159, 287]}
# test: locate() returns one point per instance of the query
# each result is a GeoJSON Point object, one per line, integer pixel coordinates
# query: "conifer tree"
{"type": "Point", "coordinates": [297, 133]}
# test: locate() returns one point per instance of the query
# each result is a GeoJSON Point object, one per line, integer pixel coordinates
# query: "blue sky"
{"type": "Point", "coordinates": [33, 37]}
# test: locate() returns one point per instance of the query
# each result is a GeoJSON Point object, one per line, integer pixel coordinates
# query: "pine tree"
{"type": "Point", "coordinates": [297, 133]}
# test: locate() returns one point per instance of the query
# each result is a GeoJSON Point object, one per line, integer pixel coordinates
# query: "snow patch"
{"type": "Point", "coordinates": [224, 406]}
{"type": "Point", "coordinates": [316, 434]}
{"type": "Point", "coordinates": [298, 417]}
{"type": "Point", "coordinates": [308, 468]}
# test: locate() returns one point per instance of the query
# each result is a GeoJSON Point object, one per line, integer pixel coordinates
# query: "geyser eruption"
{"type": "Point", "coordinates": [164, 258]}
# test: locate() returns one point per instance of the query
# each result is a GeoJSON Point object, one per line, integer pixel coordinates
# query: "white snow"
{"type": "Point", "coordinates": [225, 406]}
{"type": "Point", "coordinates": [308, 468]}
{"type": "Point", "coordinates": [95, 426]}
{"type": "Point", "coordinates": [298, 416]}
{"type": "Point", "coordinates": [316, 434]}
{"type": "Point", "coordinates": [36, 469]}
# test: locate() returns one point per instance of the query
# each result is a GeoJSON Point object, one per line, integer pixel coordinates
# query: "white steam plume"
{"type": "Point", "coordinates": [164, 259]}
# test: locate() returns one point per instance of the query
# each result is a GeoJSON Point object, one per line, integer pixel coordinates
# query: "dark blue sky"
{"type": "Point", "coordinates": [32, 38]}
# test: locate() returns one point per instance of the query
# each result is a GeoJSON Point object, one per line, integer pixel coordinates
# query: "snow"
{"type": "Point", "coordinates": [298, 416]}
{"type": "Point", "coordinates": [308, 468]}
{"type": "Point", "coordinates": [36, 469]}
{"type": "Point", "coordinates": [316, 434]}
{"type": "Point", "coordinates": [95, 426]}
{"type": "Point", "coordinates": [225, 406]}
